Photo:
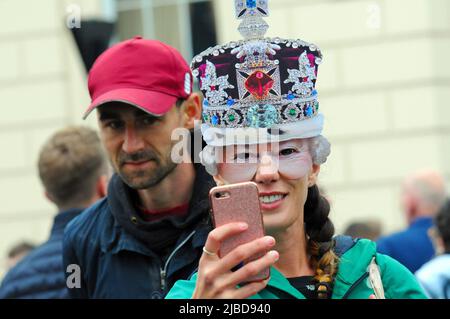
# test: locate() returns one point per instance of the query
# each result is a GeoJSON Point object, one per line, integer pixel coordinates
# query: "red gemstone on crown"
{"type": "Point", "coordinates": [259, 84]}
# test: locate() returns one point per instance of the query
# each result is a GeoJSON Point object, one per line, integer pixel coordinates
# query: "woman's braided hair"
{"type": "Point", "coordinates": [320, 231]}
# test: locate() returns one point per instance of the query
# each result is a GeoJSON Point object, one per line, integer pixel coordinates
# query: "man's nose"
{"type": "Point", "coordinates": [267, 170]}
{"type": "Point", "coordinates": [133, 142]}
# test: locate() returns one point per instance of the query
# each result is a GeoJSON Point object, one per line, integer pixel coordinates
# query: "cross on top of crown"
{"type": "Point", "coordinates": [251, 12]}
{"type": "Point", "coordinates": [252, 8]}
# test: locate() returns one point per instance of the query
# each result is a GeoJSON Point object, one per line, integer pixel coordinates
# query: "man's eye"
{"type": "Point", "coordinates": [288, 151]}
{"type": "Point", "coordinates": [115, 125]}
{"type": "Point", "coordinates": [149, 120]}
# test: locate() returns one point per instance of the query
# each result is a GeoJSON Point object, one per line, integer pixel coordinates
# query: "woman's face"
{"type": "Point", "coordinates": [283, 173]}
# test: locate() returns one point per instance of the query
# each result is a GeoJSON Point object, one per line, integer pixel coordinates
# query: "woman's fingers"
{"type": "Point", "coordinates": [245, 251]}
{"type": "Point", "coordinates": [215, 279]}
{"type": "Point", "coordinates": [219, 234]}
{"type": "Point", "coordinates": [248, 270]}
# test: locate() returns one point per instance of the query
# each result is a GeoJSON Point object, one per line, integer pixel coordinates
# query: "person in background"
{"type": "Point", "coordinates": [369, 229]}
{"type": "Point", "coordinates": [423, 194]}
{"type": "Point", "coordinates": [74, 172]}
{"type": "Point", "coordinates": [434, 276]}
{"type": "Point", "coordinates": [150, 229]}
{"type": "Point", "coordinates": [17, 252]}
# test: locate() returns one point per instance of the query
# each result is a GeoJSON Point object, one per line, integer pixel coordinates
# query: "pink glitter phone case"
{"type": "Point", "coordinates": [239, 203]}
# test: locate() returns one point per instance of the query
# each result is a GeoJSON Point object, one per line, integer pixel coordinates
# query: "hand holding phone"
{"type": "Point", "coordinates": [239, 203]}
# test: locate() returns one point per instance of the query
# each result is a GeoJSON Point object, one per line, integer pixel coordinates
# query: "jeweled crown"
{"type": "Point", "coordinates": [257, 82]}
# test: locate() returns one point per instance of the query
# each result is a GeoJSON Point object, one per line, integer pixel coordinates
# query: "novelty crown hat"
{"type": "Point", "coordinates": [258, 83]}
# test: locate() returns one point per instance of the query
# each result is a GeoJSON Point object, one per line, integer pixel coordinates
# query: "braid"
{"type": "Point", "coordinates": [320, 231]}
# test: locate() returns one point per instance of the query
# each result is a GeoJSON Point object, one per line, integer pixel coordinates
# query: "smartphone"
{"type": "Point", "coordinates": [239, 203]}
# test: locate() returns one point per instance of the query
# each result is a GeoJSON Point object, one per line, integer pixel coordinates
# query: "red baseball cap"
{"type": "Point", "coordinates": [147, 74]}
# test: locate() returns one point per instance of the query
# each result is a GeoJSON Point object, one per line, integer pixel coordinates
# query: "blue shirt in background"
{"type": "Point", "coordinates": [411, 247]}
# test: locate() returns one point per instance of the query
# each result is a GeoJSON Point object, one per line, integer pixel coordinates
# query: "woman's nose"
{"type": "Point", "coordinates": [267, 170]}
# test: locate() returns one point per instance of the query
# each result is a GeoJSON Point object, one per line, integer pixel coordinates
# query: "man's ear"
{"type": "Point", "coordinates": [313, 175]}
{"type": "Point", "coordinates": [49, 197]}
{"type": "Point", "coordinates": [191, 110]}
{"type": "Point", "coordinates": [102, 186]}
{"type": "Point", "coordinates": [410, 206]}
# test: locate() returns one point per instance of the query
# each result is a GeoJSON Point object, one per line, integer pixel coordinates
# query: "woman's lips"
{"type": "Point", "coordinates": [271, 201]}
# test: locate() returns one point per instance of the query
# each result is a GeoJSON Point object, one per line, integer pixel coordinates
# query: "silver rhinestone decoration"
{"type": "Point", "coordinates": [253, 27]}
{"type": "Point", "coordinates": [267, 118]}
{"type": "Point", "coordinates": [296, 76]}
{"type": "Point", "coordinates": [237, 118]}
{"type": "Point", "coordinates": [287, 112]}
{"type": "Point", "coordinates": [214, 87]}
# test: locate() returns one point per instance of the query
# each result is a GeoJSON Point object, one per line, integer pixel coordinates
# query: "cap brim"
{"type": "Point", "coordinates": [155, 103]}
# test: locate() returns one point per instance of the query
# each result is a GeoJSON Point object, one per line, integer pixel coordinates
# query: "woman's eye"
{"type": "Point", "coordinates": [245, 157]}
{"type": "Point", "coordinates": [242, 156]}
{"type": "Point", "coordinates": [288, 151]}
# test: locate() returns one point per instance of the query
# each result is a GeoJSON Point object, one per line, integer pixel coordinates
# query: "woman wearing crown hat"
{"type": "Point", "coordinates": [262, 123]}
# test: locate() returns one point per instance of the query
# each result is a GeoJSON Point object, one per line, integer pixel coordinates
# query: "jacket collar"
{"type": "Point", "coordinates": [117, 238]}
{"type": "Point", "coordinates": [422, 222]}
{"type": "Point", "coordinates": [353, 266]}
{"type": "Point", "coordinates": [192, 250]}
{"type": "Point", "coordinates": [121, 240]}
{"type": "Point", "coordinates": [278, 281]}
{"type": "Point", "coordinates": [162, 234]}
{"type": "Point", "coordinates": [62, 219]}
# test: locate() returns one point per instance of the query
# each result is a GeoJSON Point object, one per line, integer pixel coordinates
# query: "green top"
{"type": "Point", "coordinates": [351, 279]}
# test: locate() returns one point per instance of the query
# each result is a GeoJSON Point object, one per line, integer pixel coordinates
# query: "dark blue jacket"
{"type": "Point", "coordinates": [115, 263]}
{"type": "Point", "coordinates": [411, 247]}
{"type": "Point", "coordinates": [40, 274]}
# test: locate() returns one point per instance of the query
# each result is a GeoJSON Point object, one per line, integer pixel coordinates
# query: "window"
{"type": "Point", "coordinates": [187, 25]}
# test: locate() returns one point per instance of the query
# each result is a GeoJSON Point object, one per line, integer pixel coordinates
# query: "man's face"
{"type": "Point", "coordinates": [138, 144]}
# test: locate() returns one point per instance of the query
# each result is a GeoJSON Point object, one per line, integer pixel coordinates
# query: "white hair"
{"type": "Point", "coordinates": [318, 146]}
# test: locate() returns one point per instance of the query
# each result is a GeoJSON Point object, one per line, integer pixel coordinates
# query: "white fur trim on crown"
{"type": "Point", "coordinates": [215, 136]}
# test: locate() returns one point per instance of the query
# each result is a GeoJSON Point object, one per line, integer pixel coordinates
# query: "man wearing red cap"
{"type": "Point", "coordinates": [150, 229]}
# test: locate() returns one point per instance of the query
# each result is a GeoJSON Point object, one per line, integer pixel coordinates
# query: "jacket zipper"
{"type": "Point", "coordinates": [163, 271]}
{"type": "Point", "coordinates": [364, 276]}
